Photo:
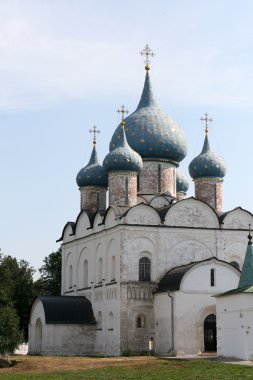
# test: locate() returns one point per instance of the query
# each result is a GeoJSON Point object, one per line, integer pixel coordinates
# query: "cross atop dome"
{"type": "Point", "coordinates": [206, 120]}
{"type": "Point", "coordinates": [95, 131]}
{"type": "Point", "coordinates": [123, 111]}
{"type": "Point", "coordinates": [147, 52]}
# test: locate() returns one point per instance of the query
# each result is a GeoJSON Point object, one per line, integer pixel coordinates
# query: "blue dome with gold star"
{"type": "Point", "coordinates": [151, 132]}
{"type": "Point", "coordinates": [182, 182]}
{"type": "Point", "coordinates": [93, 174]}
{"type": "Point", "coordinates": [207, 164]}
{"type": "Point", "coordinates": [123, 157]}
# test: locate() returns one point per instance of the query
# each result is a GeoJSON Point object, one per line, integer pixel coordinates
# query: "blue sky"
{"type": "Point", "coordinates": [67, 65]}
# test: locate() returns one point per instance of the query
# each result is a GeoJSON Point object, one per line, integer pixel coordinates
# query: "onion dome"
{"type": "Point", "coordinates": [151, 132]}
{"type": "Point", "coordinates": [207, 164]}
{"type": "Point", "coordinates": [93, 174]}
{"type": "Point", "coordinates": [182, 182]}
{"type": "Point", "coordinates": [123, 157]}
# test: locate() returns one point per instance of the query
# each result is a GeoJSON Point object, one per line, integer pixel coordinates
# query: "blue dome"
{"type": "Point", "coordinates": [93, 174]}
{"type": "Point", "coordinates": [123, 157]}
{"type": "Point", "coordinates": [151, 132]}
{"type": "Point", "coordinates": [182, 182]}
{"type": "Point", "coordinates": [207, 164]}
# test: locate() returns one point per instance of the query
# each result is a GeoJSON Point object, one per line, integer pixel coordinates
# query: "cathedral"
{"type": "Point", "coordinates": [142, 264]}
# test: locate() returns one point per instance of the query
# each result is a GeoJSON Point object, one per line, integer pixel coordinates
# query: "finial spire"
{"type": "Point", "coordinates": [123, 111]}
{"type": "Point", "coordinates": [147, 52]}
{"type": "Point", "coordinates": [249, 235]}
{"type": "Point", "coordinates": [95, 131]}
{"type": "Point", "coordinates": [206, 120]}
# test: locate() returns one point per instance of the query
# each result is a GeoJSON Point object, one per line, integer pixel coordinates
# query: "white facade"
{"type": "Point", "coordinates": [235, 326]}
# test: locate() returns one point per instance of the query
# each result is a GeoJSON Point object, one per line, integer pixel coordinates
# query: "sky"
{"type": "Point", "coordinates": [66, 65]}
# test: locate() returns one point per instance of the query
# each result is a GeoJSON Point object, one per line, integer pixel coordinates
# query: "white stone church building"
{"type": "Point", "coordinates": [148, 263]}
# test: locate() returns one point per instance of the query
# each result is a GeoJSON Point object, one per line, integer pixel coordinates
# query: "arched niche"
{"type": "Point", "coordinates": [237, 219]}
{"type": "Point", "coordinates": [192, 213]}
{"type": "Point", "coordinates": [83, 266]}
{"type": "Point", "coordinates": [142, 214]}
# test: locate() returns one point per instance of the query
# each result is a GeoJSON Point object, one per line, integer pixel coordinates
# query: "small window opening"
{"type": "Point", "coordinates": [140, 321]}
{"type": "Point", "coordinates": [138, 182]}
{"type": "Point", "coordinates": [159, 178]}
{"type": "Point", "coordinates": [126, 191]}
{"type": "Point", "coordinates": [212, 279]}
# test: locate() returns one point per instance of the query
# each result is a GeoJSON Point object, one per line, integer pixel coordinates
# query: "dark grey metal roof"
{"type": "Point", "coordinates": [67, 310]}
{"type": "Point", "coordinates": [172, 279]}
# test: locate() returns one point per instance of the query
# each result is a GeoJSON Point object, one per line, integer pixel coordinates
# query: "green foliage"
{"type": "Point", "coordinates": [16, 288]}
{"type": "Point", "coordinates": [50, 281]}
{"type": "Point", "coordinates": [10, 335]}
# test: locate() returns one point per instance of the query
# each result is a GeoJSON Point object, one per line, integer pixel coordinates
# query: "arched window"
{"type": "Point", "coordinates": [85, 274]}
{"type": "Point", "coordinates": [70, 276]}
{"type": "Point", "coordinates": [99, 321]}
{"type": "Point", "coordinates": [100, 270]}
{"type": "Point", "coordinates": [110, 321]}
{"type": "Point", "coordinates": [140, 321]}
{"type": "Point", "coordinates": [235, 264]}
{"type": "Point", "coordinates": [113, 269]}
{"type": "Point", "coordinates": [144, 269]}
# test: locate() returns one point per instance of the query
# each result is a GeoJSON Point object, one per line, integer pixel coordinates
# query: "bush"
{"type": "Point", "coordinates": [10, 336]}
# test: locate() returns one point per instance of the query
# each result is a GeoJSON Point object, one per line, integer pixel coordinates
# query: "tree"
{"type": "Point", "coordinates": [50, 281]}
{"type": "Point", "coordinates": [10, 335]}
{"type": "Point", "coordinates": [17, 288]}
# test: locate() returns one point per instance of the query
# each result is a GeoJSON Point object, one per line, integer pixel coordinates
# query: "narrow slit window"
{"type": "Point", "coordinates": [159, 178]}
{"type": "Point", "coordinates": [126, 192]}
{"type": "Point", "coordinates": [138, 182]}
{"type": "Point", "coordinates": [212, 277]}
{"type": "Point", "coordinates": [98, 200]}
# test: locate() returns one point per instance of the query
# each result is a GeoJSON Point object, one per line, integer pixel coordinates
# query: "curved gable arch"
{"type": "Point", "coordinates": [238, 219]}
{"type": "Point", "coordinates": [110, 219]}
{"type": "Point", "coordinates": [142, 214]}
{"type": "Point", "coordinates": [68, 232]}
{"type": "Point", "coordinates": [98, 223]}
{"type": "Point", "coordinates": [226, 277]}
{"type": "Point", "coordinates": [83, 225]}
{"type": "Point", "coordinates": [160, 201]}
{"type": "Point", "coordinates": [192, 213]}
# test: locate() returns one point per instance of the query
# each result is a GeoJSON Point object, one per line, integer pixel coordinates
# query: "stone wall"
{"type": "Point", "coordinates": [123, 188]}
{"type": "Point", "coordinates": [157, 177]}
{"type": "Point", "coordinates": [93, 198]}
{"type": "Point", "coordinates": [210, 191]}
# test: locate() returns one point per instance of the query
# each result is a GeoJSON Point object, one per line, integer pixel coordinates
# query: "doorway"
{"type": "Point", "coordinates": [210, 333]}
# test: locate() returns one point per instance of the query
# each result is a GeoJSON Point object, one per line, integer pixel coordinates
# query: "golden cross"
{"type": "Point", "coordinates": [206, 120]}
{"type": "Point", "coordinates": [95, 131]}
{"type": "Point", "coordinates": [123, 111]}
{"type": "Point", "coordinates": [147, 52]}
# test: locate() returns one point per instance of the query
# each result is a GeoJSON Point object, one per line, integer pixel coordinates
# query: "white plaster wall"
{"type": "Point", "coordinates": [238, 219]}
{"type": "Point", "coordinates": [235, 326]}
{"type": "Point", "coordinates": [198, 278]}
{"type": "Point", "coordinates": [163, 342]}
{"type": "Point", "coordinates": [191, 305]}
{"type": "Point", "coordinates": [191, 213]}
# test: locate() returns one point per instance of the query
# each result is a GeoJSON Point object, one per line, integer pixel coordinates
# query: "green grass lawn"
{"type": "Point", "coordinates": [161, 370]}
